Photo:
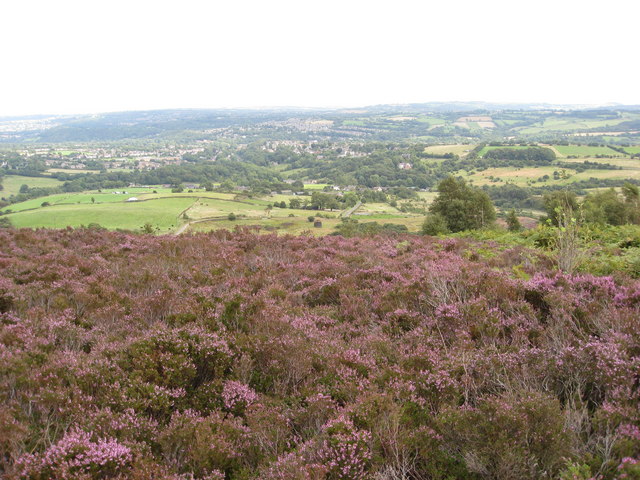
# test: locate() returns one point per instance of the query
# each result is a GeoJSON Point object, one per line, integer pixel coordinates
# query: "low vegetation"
{"type": "Point", "coordinates": [241, 356]}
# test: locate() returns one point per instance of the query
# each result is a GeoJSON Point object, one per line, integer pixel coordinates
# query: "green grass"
{"type": "Point", "coordinates": [585, 150]}
{"type": "Point", "coordinates": [632, 150]}
{"type": "Point", "coordinates": [513, 147]}
{"type": "Point", "coordinates": [289, 225]}
{"type": "Point", "coordinates": [567, 124]}
{"type": "Point", "coordinates": [518, 176]}
{"type": "Point", "coordinates": [160, 213]}
{"type": "Point", "coordinates": [12, 184]}
{"type": "Point", "coordinates": [70, 170]}
{"type": "Point", "coordinates": [88, 198]}
{"type": "Point", "coordinates": [431, 121]}
{"type": "Point", "coordinates": [357, 123]}
{"type": "Point", "coordinates": [457, 149]}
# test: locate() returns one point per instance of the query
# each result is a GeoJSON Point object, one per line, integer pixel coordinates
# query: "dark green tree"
{"type": "Point", "coordinates": [435, 225]}
{"type": "Point", "coordinates": [560, 200]}
{"type": "Point", "coordinates": [294, 203]}
{"type": "Point", "coordinates": [513, 224]}
{"type": "Point", "coordinates": [605, 208]}
{"type": "Point", "coordinates": [462, 207]}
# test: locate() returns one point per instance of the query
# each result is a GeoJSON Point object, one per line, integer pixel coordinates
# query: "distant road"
{"type": "Point", "coordinates": [348, 213]}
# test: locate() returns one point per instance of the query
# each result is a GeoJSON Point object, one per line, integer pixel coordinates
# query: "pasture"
{"type": "Point", "coordinates": [457, 149]}
{"type": "Point", "coordinates": [161, 213]}
{"type": "Point", "coordinates": [287, 225]}
{"type": "Point", "coordinates": [585, 150]}
{"type": "Point", "coordinates": [518, 176]}
{"type": "Point", "coordinates": [487, 148]}
{"type": "Point", "coordinates": [12, 184]}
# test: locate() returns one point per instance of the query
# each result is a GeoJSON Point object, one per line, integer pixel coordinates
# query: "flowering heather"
{"type": "Point", "coordinates": [237, 356]}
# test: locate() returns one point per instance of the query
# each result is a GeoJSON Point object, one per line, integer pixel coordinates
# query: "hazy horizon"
{"type": "Point", "coordinates": [74, 57]}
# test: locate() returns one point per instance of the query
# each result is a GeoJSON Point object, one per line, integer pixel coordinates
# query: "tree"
{"type": "Point", "coordinates": [227, 186]}
{"type": "Point", "coordinates": [231, 216]}
{"type": "Point", "coordinates": [435, 225]}
{"type": "Point", "coordinates": [462, 207]}
{"type": "Point", "coordinates": [513, 224]}
{"type": "Point", "coordinates": [207, 185]}
{"type": "Point", "coordinates": [24, 188]}
{"type": "Point", "coordinates": [294, 203]}
{"type": "Point", "coordinates": [561, 199]}
{"type": "Point", "coordinates": [605, 207]}
{"type": "Point", "coordinates": [632, 201]}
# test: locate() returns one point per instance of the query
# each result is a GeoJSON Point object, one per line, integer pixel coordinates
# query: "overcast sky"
{"type": "Point", "coordinates": [83, 56]}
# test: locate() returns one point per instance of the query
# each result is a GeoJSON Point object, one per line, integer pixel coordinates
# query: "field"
{"type": "Point", "coordinates": [568, 124]}
{"type": "Point", "coordinates": [197, 211]}
{"type": "Point", "coordinates": [71, 170]}
{"type": "Point", "coordinates": [12, 183]}
{"type": "Point", "coordinates": [518, 176]}
{"type": "Point", "coordinates": [160, 213]}
{"type": "Point", "coordinates": [298, 225]}
{"type": "Point", "coordinates": [585, 150]}
{"type": "Point", "coordinates": [457, 149]}
{"type": "Point", "coordinates": [487, 148]}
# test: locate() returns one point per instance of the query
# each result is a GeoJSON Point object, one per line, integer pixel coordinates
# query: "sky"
{"type": "Point", "coordinates": [90, 56]}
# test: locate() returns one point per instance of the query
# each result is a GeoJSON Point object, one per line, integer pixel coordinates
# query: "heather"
{"type": "Point", "coordinates": [238, 356]}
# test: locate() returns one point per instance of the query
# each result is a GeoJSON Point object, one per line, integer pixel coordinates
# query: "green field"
{"type": "Point", "coordinates": [632, 150]}
{"type": "Point", "coordinates": [518, 176]}
{"type": "Point", "coordinates": [456, 149]}
{"type": "Point", "coordinates": [70, 170]}
{"type": "Point", "coordinates": [585, 150]}
{"type": "Point", "coordinates": [431, 120]}
{"type": "Point", "coordinates": [492, 147]}
{"type": "Point", "coordinates": [12, 184]}
{"type": "Point", "coordinates": [567, 124]}
{"type": "Point", "coordinates": [161, 213]}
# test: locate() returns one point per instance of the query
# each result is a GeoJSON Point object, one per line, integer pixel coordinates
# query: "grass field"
{"type": "Point", "coordinates": [161, 213]}
{"type": "Point", "coordinates": [488, 148]}
{"type": "Point", "coordinates": [632, 150]}
{"type": "Point", "coordinates": [431, 121]}
{"type": "Point", "coordinates": [568, 124]}
{"type": "Point", "coordinates": [624, 162]}
{"type": "Point", "coordinates": [456, 149]}
{"type": "Point", "coordinates": [12, 184]}
{"type": "Point", "coordinates": [518, 176]}
{"type": "Point", "coordinates": [292, 226]}
{"type": "Point", "coordinates": [70, 170]}
{"type": "Point", "coordinates": [585, 150]}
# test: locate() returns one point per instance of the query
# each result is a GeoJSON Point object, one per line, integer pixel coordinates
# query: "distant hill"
{"type": "Point", "coordinates": [169, 123]}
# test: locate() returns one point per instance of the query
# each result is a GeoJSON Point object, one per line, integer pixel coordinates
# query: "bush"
{"type": "Point", "coordinates": [434, 225]}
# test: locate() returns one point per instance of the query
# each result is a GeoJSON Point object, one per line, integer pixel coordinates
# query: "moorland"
{"type": "Point", "coordinates": [430, 291]}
